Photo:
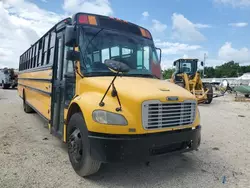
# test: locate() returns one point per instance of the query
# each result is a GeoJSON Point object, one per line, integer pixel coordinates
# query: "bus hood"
{"type": "Point", "coordinates": [137, 89]}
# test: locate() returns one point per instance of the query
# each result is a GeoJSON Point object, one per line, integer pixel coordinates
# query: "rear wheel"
{"type": "Point", "coordinates": [209, 94]}
{"type": "Point", "coordinates": [26, 107]}
{"type": "Point", "coordinates": [79, 147]}
{"type": "Point", "coordinates": [5, 86]}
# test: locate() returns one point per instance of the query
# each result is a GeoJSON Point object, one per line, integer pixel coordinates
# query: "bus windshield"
{"type": "Point", "coordinates": [97, 45]}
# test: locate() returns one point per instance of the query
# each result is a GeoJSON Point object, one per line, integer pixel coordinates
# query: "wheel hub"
{"type": "Point", "coordinates": [75, 145]}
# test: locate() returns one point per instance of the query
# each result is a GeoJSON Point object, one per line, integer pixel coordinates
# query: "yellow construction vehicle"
{"type": "Point", "coordinates": [188, 76]}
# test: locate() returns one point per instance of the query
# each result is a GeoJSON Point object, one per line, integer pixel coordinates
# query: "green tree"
{"type": "Point", "coordinates": [209, 72]}
{"type": "Point", "coordinates": [167, 73]}
{"type": "Point", "coordinates": [229, 69]}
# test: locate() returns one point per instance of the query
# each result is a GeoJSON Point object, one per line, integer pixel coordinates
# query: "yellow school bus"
{"type": "Point", "coordinates": [97, 81]}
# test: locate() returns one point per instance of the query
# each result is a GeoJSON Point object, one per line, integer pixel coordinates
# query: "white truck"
{"type": "Point", "coordinates": [8, 78]}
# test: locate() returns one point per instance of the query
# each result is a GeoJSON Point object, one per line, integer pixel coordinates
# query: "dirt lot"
{"type": "Point", "coordinates": [31, 157]}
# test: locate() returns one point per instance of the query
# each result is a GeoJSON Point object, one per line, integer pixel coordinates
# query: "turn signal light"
{"type": "Point", "coordinates": [92, 20]}
{"type": "Point", "coordinates": [145, 33]}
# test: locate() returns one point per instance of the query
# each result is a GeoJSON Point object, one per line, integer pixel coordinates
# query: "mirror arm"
{"type": "Point", "coordinates": [160, 54]}
{"type": "Point", "coordinates": [77, 71]}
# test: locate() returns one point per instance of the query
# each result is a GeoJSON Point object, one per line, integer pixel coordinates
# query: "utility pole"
{"type": "Point", "coordinates": [205, 56]}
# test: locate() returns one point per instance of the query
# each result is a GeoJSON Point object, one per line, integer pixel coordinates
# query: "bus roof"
{"type": "Point", "coordinates": [83, 18]}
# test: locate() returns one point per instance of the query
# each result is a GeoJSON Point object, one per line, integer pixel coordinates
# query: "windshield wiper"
{"type": "Point", "coordinates": [99, 74]}
{"type": "Point", "coordinates": [140, 75]}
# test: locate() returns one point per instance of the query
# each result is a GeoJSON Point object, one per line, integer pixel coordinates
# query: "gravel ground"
{"type": "Point", "coordinates": [31, 157]}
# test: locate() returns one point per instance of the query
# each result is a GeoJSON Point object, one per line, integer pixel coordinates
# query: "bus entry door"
{"type": "Point", "coordinates": [58, 88]}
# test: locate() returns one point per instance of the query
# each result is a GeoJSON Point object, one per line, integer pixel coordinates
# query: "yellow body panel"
{"type": "Point", "coordinates": [44, 86]}
{"type": "Point", "coordinates": [132, 92]}
{"type": "Point", "coordinates": [45, 74]}
{"type": "Point", "coordinates": [39, 100]}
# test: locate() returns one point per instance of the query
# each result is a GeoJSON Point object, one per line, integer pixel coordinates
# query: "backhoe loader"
{"type": "Point", "coordinates": [188, 77]}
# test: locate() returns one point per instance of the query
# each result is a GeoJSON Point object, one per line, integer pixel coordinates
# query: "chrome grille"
{"type": "Point", "coordinates": [156, 114]}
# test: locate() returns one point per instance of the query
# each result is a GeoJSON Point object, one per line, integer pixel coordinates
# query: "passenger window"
{"type": "Point", "coordinates": [105, 54]}
{"type": "Point", "coordinates": [96, 56]}
{"type": "Point", "coordinates": [51, 48]}
{"type": "Point", "coordinates": [126, 51]}
{"type": "Point", "coordinates": [69, 65]}
{"type": "Point", "coordinates": [115, 51]}
{"type": "Point", "coordinates": [37, 54]}
{"type": "Point", "coordinates": [45, 49]}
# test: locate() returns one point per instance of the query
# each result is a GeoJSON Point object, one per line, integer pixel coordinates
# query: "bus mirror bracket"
{"type": "Point", "coordinates": [70, 36]}
{"type": "Point", "coordinates": [160, 54]}
{"type": "Point", "coordinates": [73, 55]}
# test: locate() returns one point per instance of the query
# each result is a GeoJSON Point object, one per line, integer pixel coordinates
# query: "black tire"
{"type": "Point", "coordinates": [26, 107]}
{"type": "Point", "coordinates": [210, 92]}
{"type": "Point", "coordinates": [79, 147]}
{"type": "Point", "coordinates": [247, 95]}
{"type": "Point", "coordinates": [5, 86]}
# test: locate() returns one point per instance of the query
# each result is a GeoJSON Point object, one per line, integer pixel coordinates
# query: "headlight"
{"type": "Point", "coordinates": [105, 117]}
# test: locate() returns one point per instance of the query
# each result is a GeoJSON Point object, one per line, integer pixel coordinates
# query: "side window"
{"type": "Point", "coordinates": [40, 52]}
{"type": "Point", "coordinates": [25, 60]}
{"type": "Point", "coordinates": [146, 57]}
{"type": "Point", "coordinates": [37, 54]}
{"type": "Point", "coordinates": [31, 50]}
{"type": "Point", "coordinates": [33, 56]}
{"type": "Point", "coordinates": [155, 57]}
{"type": "Point", "coordinates": [69, 65]}
{"type": "Point", "coordinates": [59, 57]}
{"type": "Point", "coordinates": [30, 58]}
{"type": "Point", "coordinates": [139, 59]}
{"type": "Point", "coordinates": [45, 50]}
{"type": "Point", "coordinates": [51, 48]}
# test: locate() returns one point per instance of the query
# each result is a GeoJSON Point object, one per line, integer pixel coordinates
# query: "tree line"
{"type": "Point", "coordinates": [229, 69]}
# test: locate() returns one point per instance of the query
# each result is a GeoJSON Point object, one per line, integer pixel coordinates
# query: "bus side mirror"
{"type": "Point", "coordinates": [70, 36]}
{"type": "Point", "coordinates": [174, 63]}
{"type": "Point", "coordinates": [202, 63]}
{"type": "Point", "coordinates": [73, 55]}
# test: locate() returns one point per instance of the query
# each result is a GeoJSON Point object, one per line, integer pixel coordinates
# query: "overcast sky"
{"type": "Point", "coordinates": [182, 28]}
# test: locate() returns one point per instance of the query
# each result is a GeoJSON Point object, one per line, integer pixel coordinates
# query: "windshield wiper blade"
{"type": "Point", "coordinates": [140, 75]}
{"type": "Point", "coordinates": [99, 74]}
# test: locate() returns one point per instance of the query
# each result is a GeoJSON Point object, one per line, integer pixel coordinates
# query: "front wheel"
{"type": "Point", "coordinates": [79, 147]}
{"type": "Point", "coordinates": [209, 94]}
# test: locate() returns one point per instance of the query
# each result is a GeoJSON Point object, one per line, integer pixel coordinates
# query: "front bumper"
{"type": "Point", "coordinates": [116, 148]}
